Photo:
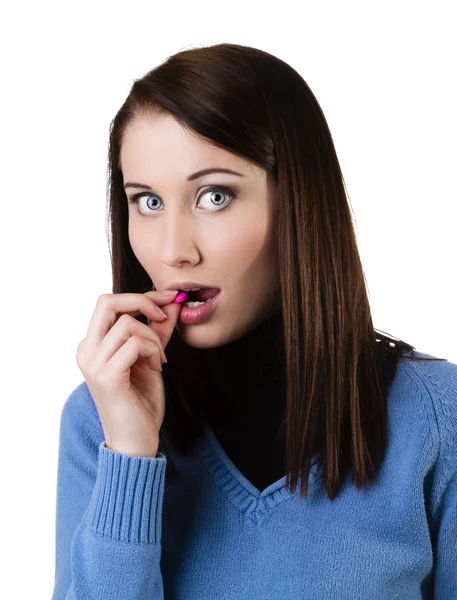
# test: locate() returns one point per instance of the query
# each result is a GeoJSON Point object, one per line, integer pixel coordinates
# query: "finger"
{"type": "Point", "coordinates": [165, 328]}
{"type": "Point", "coordinates": [126, 356]}
{"type": "Point", "coordinates": [149, 354]}
{"type": "Point", "coordinates": [122, 330]}
{"type": "Point", "coordinates": [108, 309]}
{"type": "Point", "coordinates": [161, 298]}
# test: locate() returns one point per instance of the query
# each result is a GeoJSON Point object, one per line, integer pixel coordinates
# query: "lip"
{"type": "Point", "coordinates": [185, 285]}
{"type": "Point", "coordinates": [189, 316]}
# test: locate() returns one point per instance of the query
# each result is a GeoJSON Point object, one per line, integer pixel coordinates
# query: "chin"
{"type": "Point", "coordinates": [196, 337]}
{"type": "Point", "coordinates": [209, 336]}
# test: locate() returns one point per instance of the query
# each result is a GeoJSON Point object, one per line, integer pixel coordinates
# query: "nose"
{"type": "Point", "coordinates": [178, 242]}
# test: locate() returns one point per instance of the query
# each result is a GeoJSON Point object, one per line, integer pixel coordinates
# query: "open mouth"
{"type": "Point", "coordinates": [200, 306]}
{"type": "Point", "coordinates": [201, 295]}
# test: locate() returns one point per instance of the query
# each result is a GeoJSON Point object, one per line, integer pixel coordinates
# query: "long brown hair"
{"type": "Point", "coordinates": [256, 106]}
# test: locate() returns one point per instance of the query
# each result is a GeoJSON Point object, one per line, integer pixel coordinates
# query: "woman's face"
{"type": "Point", "coordinates": [180, 232]}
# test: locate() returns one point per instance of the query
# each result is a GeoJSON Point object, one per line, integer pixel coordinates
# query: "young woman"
{"type": "Point", "coordinates": [287, 449]}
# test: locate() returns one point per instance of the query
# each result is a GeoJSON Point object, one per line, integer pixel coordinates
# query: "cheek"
{"type": "Point", "coordinates": [244, 253]}
{"type": "Point", "coordinates": [141, 244]}
{"type": "Point", "coordinates": [246, 242]}
{"type": "Point", "coordinates": [244, 246]}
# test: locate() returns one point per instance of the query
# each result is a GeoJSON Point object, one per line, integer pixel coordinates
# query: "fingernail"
{"type": "Point", "coordinates": [170, 292]}
{"type": "Point", "coordinates": [162, 313]}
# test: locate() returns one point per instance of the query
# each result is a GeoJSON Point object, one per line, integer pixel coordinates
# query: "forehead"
{"type": "Point", "coordinates": [158, 146]}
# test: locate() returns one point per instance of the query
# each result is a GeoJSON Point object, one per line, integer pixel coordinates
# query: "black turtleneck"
{"type": "Point", "coordinates": [245, 404]}
{"type": "Point", "coordinates": [246, 400]}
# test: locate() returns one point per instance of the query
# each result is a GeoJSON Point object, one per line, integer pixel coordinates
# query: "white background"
{"type": "Point", "coordinates": [384, 75]}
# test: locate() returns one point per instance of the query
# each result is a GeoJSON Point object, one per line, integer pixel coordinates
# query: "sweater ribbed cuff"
{"type": "Point", "coordinates": [126, 503]}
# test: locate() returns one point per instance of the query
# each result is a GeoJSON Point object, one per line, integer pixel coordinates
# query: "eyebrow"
{"type": "Point", "coordinates": [142, 186]}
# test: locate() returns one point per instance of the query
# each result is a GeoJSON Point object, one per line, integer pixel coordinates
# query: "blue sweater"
{"type": "Point", "coordinates": [123, 531]}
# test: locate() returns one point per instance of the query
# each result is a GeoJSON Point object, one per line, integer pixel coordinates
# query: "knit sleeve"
{"type": "Point", "coordinates": [444, 505]}
{"type": "Point", "coordinates": [108, 513]}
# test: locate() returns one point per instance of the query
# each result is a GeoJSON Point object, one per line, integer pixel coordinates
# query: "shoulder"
{"type": "Point", "coordinates": [434, 385]}
{"type": "Point", "coordinates": [436, 382]}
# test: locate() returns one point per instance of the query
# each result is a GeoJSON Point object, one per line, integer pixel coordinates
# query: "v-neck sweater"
{"type": "Point", "coordinates": [126, 532]}
{"type": "Point", "coordinates": [246, 398]}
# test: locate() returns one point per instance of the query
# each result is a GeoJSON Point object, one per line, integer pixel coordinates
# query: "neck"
{"type": "Point", "coordinates": [245, 376]}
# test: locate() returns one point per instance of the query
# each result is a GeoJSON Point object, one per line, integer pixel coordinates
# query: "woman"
{"type": "Point", "coordinates": [277, 387]}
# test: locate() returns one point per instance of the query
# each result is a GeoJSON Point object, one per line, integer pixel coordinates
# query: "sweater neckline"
{"type": "Point", "coordinates": [251, 501]}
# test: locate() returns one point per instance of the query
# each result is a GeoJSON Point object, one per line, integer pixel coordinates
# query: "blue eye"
{"type": "Point", "coordinates": [135, 199]}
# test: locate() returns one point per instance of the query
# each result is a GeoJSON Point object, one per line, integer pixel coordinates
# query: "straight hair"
{"type": "Point", "coordinates": [338, 367]}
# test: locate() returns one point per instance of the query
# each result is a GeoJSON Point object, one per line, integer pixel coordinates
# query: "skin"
{"type": "Point", "coordinates": [183, 233]}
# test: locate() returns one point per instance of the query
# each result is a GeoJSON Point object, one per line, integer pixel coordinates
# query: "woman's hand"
{"type": "Point", "coordinates": [121, 360]}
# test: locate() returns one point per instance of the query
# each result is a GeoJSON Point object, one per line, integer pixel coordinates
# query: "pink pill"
{"type": "Point", "coordinates": [181, 297]}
